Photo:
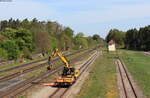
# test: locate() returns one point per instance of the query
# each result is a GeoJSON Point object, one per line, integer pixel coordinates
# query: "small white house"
{"type": "Point", "coordinates": [111, 45]}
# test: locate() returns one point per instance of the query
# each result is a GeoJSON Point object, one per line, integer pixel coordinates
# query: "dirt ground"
{"type": "Point", "coordinates": [45, 92]}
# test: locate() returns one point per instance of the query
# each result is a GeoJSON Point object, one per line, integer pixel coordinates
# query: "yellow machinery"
{"type": "Point", "coordinates": [69, 73]}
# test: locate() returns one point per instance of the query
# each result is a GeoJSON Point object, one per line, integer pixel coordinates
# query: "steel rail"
{"type": "Point", "coordinates": [14, 75]}
{"type": "Point", "coordinates": [23, 86]}
{"type": "Point", "coordinates": [60, 92]}
{"type": "Point", "coordinates": [125, 89]}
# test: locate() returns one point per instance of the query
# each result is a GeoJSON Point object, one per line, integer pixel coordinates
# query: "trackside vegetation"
{"type": "Point", "coordinates": [139, 66]}
{"type": "Point", "coordinates": [22, 38]}
{"type": "Point", "coordinates": [132, 39]}
{"type": "Point", "coordinates": [102, 80]}
{"type": "Point", "coordinates": [137, 63]}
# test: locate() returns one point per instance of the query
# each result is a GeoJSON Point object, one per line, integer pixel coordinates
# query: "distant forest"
{"type": "Point", "coordinates": [22, 38]}
{"type": "Point", "coordinates": [131, 39]}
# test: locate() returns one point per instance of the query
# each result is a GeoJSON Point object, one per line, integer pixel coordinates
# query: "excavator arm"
{"type": "Point", "coordinates": [59, 54]}
{"type": "Point", "coordinates": [63, 59]}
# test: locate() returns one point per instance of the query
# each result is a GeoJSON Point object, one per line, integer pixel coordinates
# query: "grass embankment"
{"type": "Point", "coordinates": [102, 80]}
{"type": "Point", "coordinates": [34, 64]}
{"type": "Point", "coordinates": [18, 64]}
{"type": "Point", "coordinates": [139, 66]}
{"type": "Point", "coordinates": [26, 61]}
{"type": "Point", "coordinates": [21, 69]}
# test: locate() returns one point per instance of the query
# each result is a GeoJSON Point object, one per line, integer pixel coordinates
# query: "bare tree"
{"type": "Point", "coordinates": [42, 42]}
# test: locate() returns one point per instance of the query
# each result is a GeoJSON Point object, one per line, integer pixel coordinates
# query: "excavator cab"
{"type": "Point", "coordinates": [70, 72]}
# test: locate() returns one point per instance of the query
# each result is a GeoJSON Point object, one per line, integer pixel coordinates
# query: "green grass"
{"type": "Point", "coordinates": [17, 64]}
{"type": "Point", "coordinates": [139, 66]}
{"type": "Point", "coordinates": [102, 81]}
{"type": "Point", "coordinates": [21, 69]}
{"type": "Point", "coordinates": [27, 61]}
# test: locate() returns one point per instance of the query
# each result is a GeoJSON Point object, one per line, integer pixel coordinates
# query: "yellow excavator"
{"type": "Point", "coordinates": [69, 73]}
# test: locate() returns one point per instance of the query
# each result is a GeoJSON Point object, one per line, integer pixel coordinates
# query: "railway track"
{"type": "Point", "coordinates": [36, 61]}
{"type": "Point", "coordinates": [14, 75]}
{"type": "Point", "coordinates": [127, 89]}
{"type": "Point", "coordinates": [60, 92]}
{"type": "Point", "coordinates": [23, 86]}
{"type": "Point", "coordinates": [22, 65]}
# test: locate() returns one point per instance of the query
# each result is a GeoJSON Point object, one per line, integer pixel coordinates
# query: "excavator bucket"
{"type": "Point", "coordinates": [49, 67]}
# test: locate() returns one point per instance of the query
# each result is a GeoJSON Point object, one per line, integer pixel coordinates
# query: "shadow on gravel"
{"type": "Point", "coordinates": [62, 86]}
{"type": "Point", "coordinates": [55, 86]}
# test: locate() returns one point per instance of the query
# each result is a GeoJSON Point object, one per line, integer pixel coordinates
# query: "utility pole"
{"type": "Point", "coordinates": [0, 25]}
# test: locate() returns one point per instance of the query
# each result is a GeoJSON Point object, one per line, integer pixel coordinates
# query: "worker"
{"type": "Point", "coordinates": [49, 63]}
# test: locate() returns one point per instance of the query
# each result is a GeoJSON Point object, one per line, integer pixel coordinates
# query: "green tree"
{"type": "Point", "coordinates": [2, 38]}
{"type": "Point", "coordinates": [138, 40]}
{"type": "Point", "coordinates": [80, 41]}
{"type": "Point", "coordinates": [69, 32]}
{"type": "Point", "coordinates": [144, 38]}
{"type": "Point", "coordinates": [4, 24]}
{"type": "Point", "coordinates": [26, 53]}
{"type": "Point", "coordinates": [25, 24]}
{"type": "Point", "coordinates": [91, 42]}
{"type": "Point", "coordinates": [9, 33]}
{"type": "Point", "coordinates": [116, 35]}
{"type": "Point", "coordinates": [11, 48]}
{"type": "Point", "coordinates": [34, 35]}
{"type": "Point", "coordinates": [66, 38]}
{"type": "Point", "coordinates": [96, 37]}
{"type": "Point", "coordinates": [24, 38]}
{"type": "Point", "coordinates": [131, 39]}
{"type": "Point", "coordinates": [3, 54]}
{"type": "Point", "coordinates": [54, 42]}
{"type": "Point", "coordinates": [49, 27]}
{"type": "Point", "coordinates": [80, 34]}
{"type": "Point", "coordinates": [21, 36]}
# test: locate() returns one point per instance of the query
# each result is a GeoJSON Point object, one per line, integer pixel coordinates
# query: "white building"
{"type": "Point", "coordinates": [111, 45]}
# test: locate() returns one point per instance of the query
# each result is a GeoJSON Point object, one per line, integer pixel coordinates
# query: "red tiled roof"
{"type": "Point", "coordinates": [111, 42]}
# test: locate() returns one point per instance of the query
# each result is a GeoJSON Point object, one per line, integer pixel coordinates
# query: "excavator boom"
{"type": "Point", "coordinates": [59, 54]}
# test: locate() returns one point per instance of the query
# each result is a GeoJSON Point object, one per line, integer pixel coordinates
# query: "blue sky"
{"type": "Point", "coordinates": [88, 16]}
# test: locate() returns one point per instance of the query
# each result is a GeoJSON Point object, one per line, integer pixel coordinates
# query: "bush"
{"type": "Point", "coordinates": [27, 53]}
{"type": "Point", "coordinates": [11, 48]}
{"type": "Point", "coordinates": [3, 54]}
